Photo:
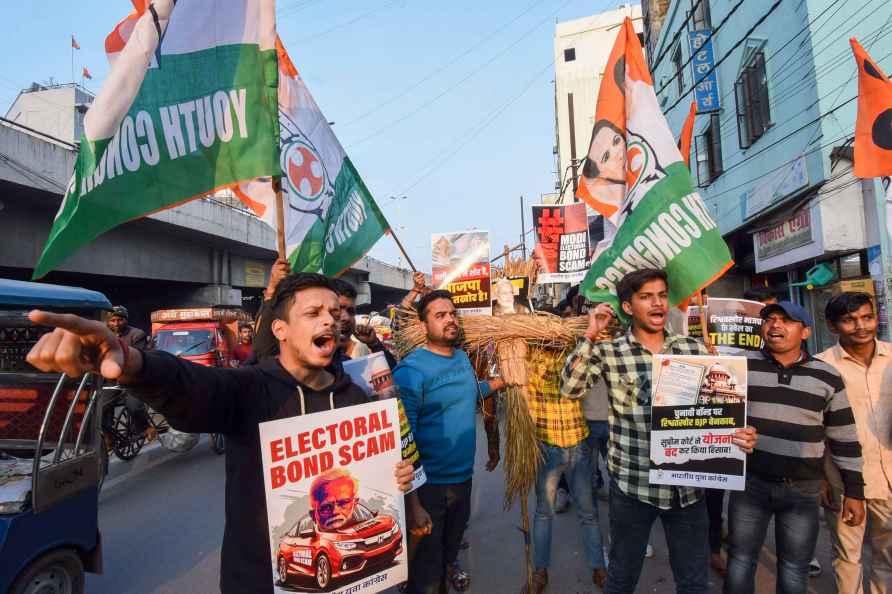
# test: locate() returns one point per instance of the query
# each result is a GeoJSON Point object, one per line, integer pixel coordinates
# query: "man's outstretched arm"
{"type": "Point", "coordinates": [194, 398]}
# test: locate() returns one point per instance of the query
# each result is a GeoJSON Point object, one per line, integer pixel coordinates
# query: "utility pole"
{"type": "Point", "coordinates": [523, 233]}
{"type": "Point", "coordinates": [573, 161]}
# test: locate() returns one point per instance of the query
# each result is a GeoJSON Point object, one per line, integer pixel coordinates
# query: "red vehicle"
{"type": "Point", "coordinates": [203, 335]}
{"type": "Point", "coordinates": [371, 540]}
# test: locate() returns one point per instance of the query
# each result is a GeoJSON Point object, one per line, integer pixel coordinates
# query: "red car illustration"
{"type": "Point", "coordinates": [370, 540]}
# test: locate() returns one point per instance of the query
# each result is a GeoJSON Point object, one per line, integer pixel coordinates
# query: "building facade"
{"type": "Point", "coordinates": [776, 89]}
{"type": "Point", "coordinates": [581, 49]}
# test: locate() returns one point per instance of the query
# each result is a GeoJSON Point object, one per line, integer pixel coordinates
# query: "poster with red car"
{"type": "Point", "coordinates": [562, 248]}
{"type": "Point", "coordinates": [335, 515]}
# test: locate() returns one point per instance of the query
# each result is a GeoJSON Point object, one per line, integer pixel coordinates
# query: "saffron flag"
{"type": "Point", "coordinates": [661, 220]}
{"type": "Point", "coordinates": [86, 74]}
{"type": "Point", "coordinates": [873, 128]}
{"type": "Point", "coordinates": [173, 120]}
{"type": "Point", "coordinates": [687, 135]}
{"type": "Point", "coordinates": [331, 218]}
{"type": "Point", "coordinates": [74, 43]}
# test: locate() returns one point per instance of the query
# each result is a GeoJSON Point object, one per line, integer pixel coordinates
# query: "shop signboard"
{"type": "Point", "coordinates": [706, 90]}
{"type": "Point", "coordinates": [786, 235]}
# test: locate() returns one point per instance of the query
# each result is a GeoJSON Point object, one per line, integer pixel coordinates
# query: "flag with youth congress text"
{"type": "Point", "coordinates": [331, 218]}
{"type": "Point", "coordinates": [635, 176]}
{"type": "Point", "coordinates": [189, 106]}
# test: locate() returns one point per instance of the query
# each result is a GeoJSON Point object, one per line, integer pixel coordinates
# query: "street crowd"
{"type": "Point", "coordinates": [820, 432]}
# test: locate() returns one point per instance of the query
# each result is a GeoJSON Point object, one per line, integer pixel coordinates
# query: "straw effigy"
{"type": "Point", "coordinates": [510, 342]}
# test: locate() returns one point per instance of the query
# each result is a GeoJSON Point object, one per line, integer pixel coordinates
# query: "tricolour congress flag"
{"type": "Point", "coordinates": [648, 191]}
{"type": "Point", "coordinates": [189, 106]}
{"type": "Point", "coordinates": [331, 218]}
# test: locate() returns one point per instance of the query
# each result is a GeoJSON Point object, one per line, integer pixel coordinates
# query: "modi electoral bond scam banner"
{"type": "Point", "coordinates": [734, 325]}
{"type": "Point", "coordinates": [697, 404]}
{"type": "Point", "coordinates": [373, 374]}
{"type": "Point", "coordinates": [460, 264]}
{"type": "Point", "coordinates": [561, 242]}
{"type": "Point", "coordinates": [336, 516]}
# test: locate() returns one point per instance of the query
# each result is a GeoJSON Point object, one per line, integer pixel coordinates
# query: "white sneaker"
{"type": "Point", "coordinates": [649, 551]}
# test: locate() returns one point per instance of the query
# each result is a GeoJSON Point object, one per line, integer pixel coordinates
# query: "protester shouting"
{"type": "Point", "coordinates": [865, 364]}
{"type": "Point", "coordinates": [198, 399]}
{"type": "Point", "coordinates": [439, 391]}
{"type": "Point", "coordinates": [624, 364]}
{"type": "Point", "coordinates": [265, 344]}
{"type": "Point", "coordinates": [797, 403]}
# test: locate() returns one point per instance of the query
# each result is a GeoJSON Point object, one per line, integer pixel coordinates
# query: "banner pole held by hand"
{"type": "Point", "coordinates": [280, 217]}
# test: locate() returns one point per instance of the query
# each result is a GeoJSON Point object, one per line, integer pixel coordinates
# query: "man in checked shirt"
{"type": "Point", "coordinates": [624, 364]}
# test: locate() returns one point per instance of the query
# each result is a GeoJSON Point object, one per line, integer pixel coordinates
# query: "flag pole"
{"type": "Point", "coordinates": [402, 249]}
{"type": "Point", "coordinates": [280, 217]}
{"type": "Point", "coordinates": [705, 331]}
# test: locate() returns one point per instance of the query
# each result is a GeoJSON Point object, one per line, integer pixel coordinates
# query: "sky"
{"type": "Point", "coordinates": [448, 104]}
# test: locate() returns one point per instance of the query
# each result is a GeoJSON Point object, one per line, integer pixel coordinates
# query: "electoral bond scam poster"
{"type": "Point", "coordinates": [698, 402]}
{"type": "Point", "coordinates": [460, 264]}
{"type": "Point", "coordinates": [335, 514]}
{"type": "Point", "coordinates": [562, 248]}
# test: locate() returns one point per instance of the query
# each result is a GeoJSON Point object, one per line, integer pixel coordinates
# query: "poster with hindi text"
{"type": "Point", "coordinates": [734, 325]}
{"type": "Point", "coordinates": [460, 264]}
{"type": "Point", "coordinates": [698, 402]}
{"type": "Point", "coordinates": [335, 515]}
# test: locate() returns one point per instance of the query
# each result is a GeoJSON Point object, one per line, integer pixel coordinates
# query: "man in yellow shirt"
{"type": "Point", "coordinates": [865, 365]}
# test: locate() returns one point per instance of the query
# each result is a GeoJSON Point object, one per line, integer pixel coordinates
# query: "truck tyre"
{"type": "Point", "coordinates": [58, 572]}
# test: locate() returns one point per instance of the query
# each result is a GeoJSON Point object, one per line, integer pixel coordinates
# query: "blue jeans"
{"type": "Point", "coordinates": [794, 505]}
{"type": "Point", "coordinates": [686, 535]}
{"type": "Point", "coordinates": [576, 463]}
{"type": "Point", "coordinates": [598, 433]}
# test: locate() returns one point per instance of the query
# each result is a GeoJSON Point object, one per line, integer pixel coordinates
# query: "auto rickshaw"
{"type": "Point", "coordinates": [50, 451]}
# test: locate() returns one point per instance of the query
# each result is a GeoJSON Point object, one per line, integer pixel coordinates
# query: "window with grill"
{"type": "Point", "coordinates": [679, 71]}
{"type": "Point", "coordinates": [702, 19]}
{"type": "Point", "coordinates": [569, 54]}
{"type": "Point", "coordinates": [751, 93]}
{"type": "Point", "coordinates": [709, 152]}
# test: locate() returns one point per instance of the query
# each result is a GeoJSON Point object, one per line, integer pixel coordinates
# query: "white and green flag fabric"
{"type": "Point", "coordinates": [331, 218]}
{"type": "Point", "coordinates": [188, 107]}
{"type": "Point", "coordinates": [636, 178]}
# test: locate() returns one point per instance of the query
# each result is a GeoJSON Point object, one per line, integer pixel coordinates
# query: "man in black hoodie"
{"type": "Point", "coordinates": [199, 399]}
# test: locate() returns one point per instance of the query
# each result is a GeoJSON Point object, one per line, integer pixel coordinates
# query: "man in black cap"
{"type": "Point", "coordinates": [797, 403]}
{"type": "Point", "coordinates": [119, 323]}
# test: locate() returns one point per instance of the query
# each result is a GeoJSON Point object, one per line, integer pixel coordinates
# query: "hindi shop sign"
{"type": "Point", "coordinates": [697, 405]}
{"type": "Point", "coordinates": [335, 515]}
{"type": "Point", "coordinates": [786, 235]}
{"type": "Point", "coordinates": [706, 88]}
